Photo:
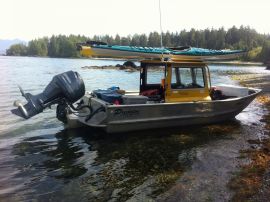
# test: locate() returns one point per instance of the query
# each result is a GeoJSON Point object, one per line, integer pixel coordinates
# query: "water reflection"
{"type": "Point", "coordinates": [58, 158]}
{"type": "Point", "coordinates": [93, 165]}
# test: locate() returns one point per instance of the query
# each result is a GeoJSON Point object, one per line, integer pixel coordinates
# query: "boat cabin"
{"type": "Point", "coordinates": [164, 82]}
{"type": "Point", "coordinates": [173, 81]}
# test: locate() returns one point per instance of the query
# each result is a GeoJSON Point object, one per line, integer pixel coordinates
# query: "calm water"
{"type": "Point", "coordinates": [40, 160]}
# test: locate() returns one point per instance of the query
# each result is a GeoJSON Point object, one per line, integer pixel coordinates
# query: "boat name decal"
{"type": "Point", "coordinates": [122, 113]}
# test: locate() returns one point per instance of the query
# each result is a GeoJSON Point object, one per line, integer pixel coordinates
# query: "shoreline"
{"type": "Point", "coordinates": [236, 168]}
{"type": "Point", "coordinates": [252, 181]}
{"type": "Point", "coordinates": [236, 62]}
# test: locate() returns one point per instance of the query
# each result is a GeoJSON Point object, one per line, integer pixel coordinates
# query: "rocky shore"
{"type": "Point", "coordinates": [236, 168]}
{"type": "Point", "coordinates": [252, 182]}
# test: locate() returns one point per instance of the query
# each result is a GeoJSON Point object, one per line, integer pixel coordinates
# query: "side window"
{"type": "Point", "coordinates": [155, 74]}
{"type": "Point", "coordinates": [198, 75]}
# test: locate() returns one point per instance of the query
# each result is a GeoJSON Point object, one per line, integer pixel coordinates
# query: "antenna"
{"type": "Point", "coordinates": [160, 25]}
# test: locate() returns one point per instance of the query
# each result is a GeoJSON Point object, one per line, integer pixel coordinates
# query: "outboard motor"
{"type": "Point", "coordinates": [67, 87]}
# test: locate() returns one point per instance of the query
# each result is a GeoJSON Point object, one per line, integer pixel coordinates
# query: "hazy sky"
{"type": "Point", "coordinates": [29, 19]}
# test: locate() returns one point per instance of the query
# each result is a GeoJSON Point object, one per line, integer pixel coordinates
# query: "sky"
{"type": "Point", "coordinates": [30, 19]}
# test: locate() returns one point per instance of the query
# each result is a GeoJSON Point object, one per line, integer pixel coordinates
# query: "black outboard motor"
{"type": "Point", "coordinates": [67, 87]}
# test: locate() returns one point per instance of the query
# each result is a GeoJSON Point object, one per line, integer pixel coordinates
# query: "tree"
{"type": "Point", "coordinates": [38, 47]}
{"type": "Point", "coordinates": [17, 50]}
{"type": "Point", "coordinates": [192, 37]}
{"type": "Point", "coordinates": [117, 40]}
{"type": "Point", "coordinates": [108, 39]}
{"type": "Point", "coordinates": [135, 40]}
{"type": "Point", "coordinates": [220, 39]}
{"type": "Point", "coordinates": [53, 47]}
{"type": "Point", "coordinates": [154, 39]}
{"type": "Point", "coordinates": [125, 41]}
{"type": "Point", "coordinates": [143, 40]}
{"type": "Point", "coordinates": [167, 39]}
{"type": "Point", "coordinates": [265, 54]}
{"type": "Point", "coordinates": [184, 41]}
{"type": "Point", "coordinates": [66, 48]}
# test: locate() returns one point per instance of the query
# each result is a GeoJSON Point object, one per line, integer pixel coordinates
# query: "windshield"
{"type": "Point", "coordinates": [187, 77]}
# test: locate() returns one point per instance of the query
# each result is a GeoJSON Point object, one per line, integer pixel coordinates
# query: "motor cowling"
{"type": "Point", "coordinates": [66, 87]}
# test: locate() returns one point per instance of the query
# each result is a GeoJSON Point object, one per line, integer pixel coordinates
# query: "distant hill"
{"type": "Point", "coordinates": [5, 44]}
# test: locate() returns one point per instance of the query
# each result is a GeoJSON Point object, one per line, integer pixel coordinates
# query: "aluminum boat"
{"type": "Point", "coordinates": [171, 93]}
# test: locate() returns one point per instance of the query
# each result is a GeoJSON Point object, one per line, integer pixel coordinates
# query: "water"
{"type": "Point", "coordinates": [40, 160]}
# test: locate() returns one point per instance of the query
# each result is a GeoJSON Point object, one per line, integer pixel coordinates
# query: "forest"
{"type": "Point", "coordinates": [245, 38]}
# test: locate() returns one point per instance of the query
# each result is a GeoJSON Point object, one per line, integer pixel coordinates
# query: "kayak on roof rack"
{"type": "Point", "coordinates": [101, 49]}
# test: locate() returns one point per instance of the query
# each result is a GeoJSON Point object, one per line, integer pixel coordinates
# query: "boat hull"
{"type": "Point", "coordinates": [123, 118]}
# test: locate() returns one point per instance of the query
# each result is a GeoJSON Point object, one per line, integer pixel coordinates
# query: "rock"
{"type": "Point", "coordinates": [130, 64]}
{"type": "Point", "coordinates": [122, 67]}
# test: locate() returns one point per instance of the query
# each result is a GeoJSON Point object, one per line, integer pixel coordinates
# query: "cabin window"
{"type": "Point", "coordinates": [155, 74]}
{"type": "Point", "coordinates": [189, 77]}
{"type": "Point", "coordinates": [152, 80]}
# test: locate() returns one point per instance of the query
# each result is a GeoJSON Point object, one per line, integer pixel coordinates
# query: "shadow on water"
{"type": "Point", "coordinates": [91, 165]}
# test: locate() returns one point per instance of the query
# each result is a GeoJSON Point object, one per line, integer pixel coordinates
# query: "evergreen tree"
{"type": "Point", "coordinates": [53, 47]}
{"type": "Point", "coordinates": [125, 41]}
{"type": "Point", "coordinates": [143, 40]}
{"type": "Point", "coordinates": [135, 40]}
{"type": "Point", "coordinates": [38, 47]}
{"type": "Point", "coordinates": [154, 39]}
{"type": "Point", "coordinates": [167, 40]}
{"type": "Point", "coordinates": [265, 54]}
{"type": "Point", "coordinates": [117, 40]}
